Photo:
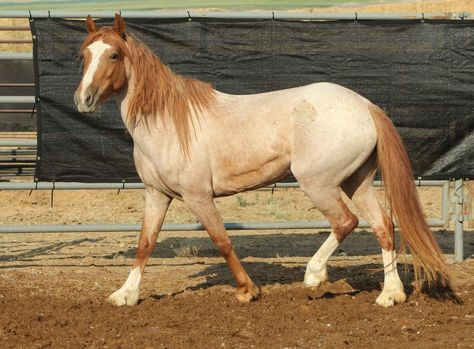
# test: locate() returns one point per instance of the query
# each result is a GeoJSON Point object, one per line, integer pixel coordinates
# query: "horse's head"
{"type": "Point", "coordinates": [104, 64]}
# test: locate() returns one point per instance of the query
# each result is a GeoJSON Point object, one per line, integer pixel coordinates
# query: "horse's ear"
{"type": "Point", "coordinates": [119, 25]}
{"type": "Point", "coordinates": [90, 24]}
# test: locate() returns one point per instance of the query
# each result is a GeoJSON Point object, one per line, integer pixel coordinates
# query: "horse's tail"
{"type": "Point", "coordinates": [397, 176]}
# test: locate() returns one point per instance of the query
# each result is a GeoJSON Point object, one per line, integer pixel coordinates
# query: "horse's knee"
{"type": "Point", "coordinates": [344, 228]}
{"type": "Point", "coordinates": [144, 249]}
{"type": "Point", "coordinates": [224, 246]}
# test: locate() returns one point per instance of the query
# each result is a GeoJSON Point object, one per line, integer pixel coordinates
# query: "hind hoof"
{"type": "Point", "coordinates": [390, 297]}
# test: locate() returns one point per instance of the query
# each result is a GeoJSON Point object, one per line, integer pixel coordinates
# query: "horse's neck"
{"type": "Point", "coordinates": [142, 130]}
{"type": "Point", "coordinates": [122, 98]}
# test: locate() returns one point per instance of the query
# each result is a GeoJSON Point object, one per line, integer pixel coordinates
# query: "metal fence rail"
{"type": "Point", "coordinates": [319, 224]}
{"type": "Point", "coordinates": [276, 15]}
{"type": "Point", "coordinates": [16, 55]}
{"type": "Point", "coordinates": [74, 228]}
{"type": "Point", "coordinates": [17, 99]}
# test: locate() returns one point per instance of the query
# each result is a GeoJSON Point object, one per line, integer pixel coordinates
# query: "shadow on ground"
{"type": "Point", "coordinates": [347, 280]}
{"type": "Point", "coordinates": [45, 250]}
{"type": "Point", "coordinates": [284, 245]}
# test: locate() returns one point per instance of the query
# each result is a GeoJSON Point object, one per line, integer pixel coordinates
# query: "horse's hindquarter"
{"type": "Point", "coordinates": [333, 134]}
{"type": "Point", "coordinates": [254, 139]}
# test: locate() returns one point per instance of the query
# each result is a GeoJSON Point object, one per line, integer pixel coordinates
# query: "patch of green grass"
{"type": "Point", "coordinates": [242, 201]}
{"type": "Point", "coordinates": [279, 214]}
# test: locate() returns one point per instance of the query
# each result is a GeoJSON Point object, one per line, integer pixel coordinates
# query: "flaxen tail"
{"type": "Point", "coordinates": [403, 199]}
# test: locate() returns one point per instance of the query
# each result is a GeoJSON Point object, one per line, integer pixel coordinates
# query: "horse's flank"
{"type": "Point", "coordinates": [156, 91]}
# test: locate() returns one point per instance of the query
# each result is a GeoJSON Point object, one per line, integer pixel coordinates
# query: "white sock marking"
{"type": "Point", "coordinates": [316, 269]}
{"type": "Point", "coordinates": [129, 292]}
{"type": "Point", "coordinates": [133, 280]}
{"type": "Point", "coordinates": [392, 288]}
{"type": "Point", "coordinates": [390, 269]}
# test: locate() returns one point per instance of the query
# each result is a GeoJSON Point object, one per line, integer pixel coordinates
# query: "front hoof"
{"type": "Point", "coordinates": [247, 294]}
{"type": "Point", "coordinates": [124, 297]}
{"type": "Point", "coordinates": [312, 279]}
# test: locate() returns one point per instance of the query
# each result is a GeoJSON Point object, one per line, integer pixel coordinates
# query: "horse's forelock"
{"type": "Point", "coordinates": [106, 34]}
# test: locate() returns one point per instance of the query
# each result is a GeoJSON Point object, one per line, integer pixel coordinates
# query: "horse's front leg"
{"type": "Point", "coordinates": [210, 218]}
{"type": "Point", "coordinates": [156, 205]}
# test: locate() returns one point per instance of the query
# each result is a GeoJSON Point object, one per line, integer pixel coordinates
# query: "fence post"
{"type": "Point", "coordinates": [458, 217]}
{"type": "Point", "coordinates": [468, 209]}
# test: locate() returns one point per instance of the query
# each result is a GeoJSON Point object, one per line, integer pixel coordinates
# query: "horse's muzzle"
{"type": "Point", "coordinates": [88, 104]}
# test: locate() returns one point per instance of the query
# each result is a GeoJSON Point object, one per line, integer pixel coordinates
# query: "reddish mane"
{"type": "Point", "coordinates": [157, 90]}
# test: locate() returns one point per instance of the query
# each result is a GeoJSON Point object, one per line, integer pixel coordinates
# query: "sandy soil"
{"type": "Point", "coordinates": [53, 289]}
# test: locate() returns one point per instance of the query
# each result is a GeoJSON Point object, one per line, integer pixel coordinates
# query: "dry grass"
{"type": "Point", "coordinates": [416, 6]}
{"type": "Point", "coordinates": [14, 35]}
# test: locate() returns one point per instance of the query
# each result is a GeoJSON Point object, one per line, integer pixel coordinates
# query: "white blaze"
{"type": "Point", "coordinates": [96, 49]}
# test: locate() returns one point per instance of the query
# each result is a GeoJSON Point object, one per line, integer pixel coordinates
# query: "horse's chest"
{"type": "Point", "coordinates": [154, 169]}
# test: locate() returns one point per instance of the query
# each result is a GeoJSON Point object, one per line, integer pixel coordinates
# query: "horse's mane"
{"type": "Point", "coordinates": [158, 91]}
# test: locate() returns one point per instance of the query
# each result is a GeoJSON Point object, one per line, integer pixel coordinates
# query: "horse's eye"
{"type": "Point", "coordinates": [114, 56]}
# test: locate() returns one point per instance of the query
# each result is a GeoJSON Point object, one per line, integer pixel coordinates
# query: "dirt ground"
{"type": "Point", "coordinates": [53, 287]}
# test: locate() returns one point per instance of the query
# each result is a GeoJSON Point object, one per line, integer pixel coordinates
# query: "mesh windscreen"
{"type": "Point", "coordinates": [422, 74]}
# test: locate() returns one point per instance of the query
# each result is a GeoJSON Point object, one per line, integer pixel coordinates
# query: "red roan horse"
{"type": "Point", "coordinates": [194, 143]}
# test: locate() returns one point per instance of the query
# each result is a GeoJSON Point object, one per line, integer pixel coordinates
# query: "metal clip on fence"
{"type": "Point", "coordinates": [122, 188]}
{"type": "Point", "coordinates": [52, 193]}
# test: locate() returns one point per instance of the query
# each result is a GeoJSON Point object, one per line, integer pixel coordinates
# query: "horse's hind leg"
{"type": "Point", "coordinates": [343, 222]}
{"type": "Point", "coordinates": [359, 188]}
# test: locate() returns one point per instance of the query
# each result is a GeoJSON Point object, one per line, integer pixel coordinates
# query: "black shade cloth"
{"type": "Point", "coordinates": [422, 74]}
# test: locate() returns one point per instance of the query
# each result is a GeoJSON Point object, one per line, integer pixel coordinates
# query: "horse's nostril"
{"type": "Point", "coordinates": [89, 100]}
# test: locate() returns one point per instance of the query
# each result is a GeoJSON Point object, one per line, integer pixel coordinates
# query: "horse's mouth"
{"type": "Point", "coordinates": [86, 107]}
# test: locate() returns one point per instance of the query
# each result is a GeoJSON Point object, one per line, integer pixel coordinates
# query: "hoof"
{"type": "Point", "coordinates": [315, 279]}
{"type": "Point", "coordinates": [390, 297]}
{"type": "Point", "coordinates": [124, 297]}
{"type": "Point", "coordinates": [247, 294]}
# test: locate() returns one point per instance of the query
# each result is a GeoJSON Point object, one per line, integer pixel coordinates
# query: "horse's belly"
{"type": "Point", "coordinates": [238, 175]}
